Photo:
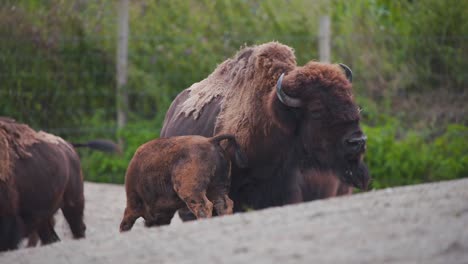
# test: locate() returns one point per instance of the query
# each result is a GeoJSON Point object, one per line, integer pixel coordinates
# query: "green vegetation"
{"type": "Point", "coordinates": [57, 70]}
{"type": "Point", "coordinates": [411, 159]}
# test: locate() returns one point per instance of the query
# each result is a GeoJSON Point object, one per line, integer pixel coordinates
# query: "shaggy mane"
{"type": "Point", "coordinates": [242, 82]}
{"type": "Point", "coordinates": [14, 138]}
{"type": "Point", "coordinates": [5, 162]}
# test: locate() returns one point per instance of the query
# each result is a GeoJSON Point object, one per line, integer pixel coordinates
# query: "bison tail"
{"type": "Point", "coordinates": [103, 145]}
{"type": "Point", "coordinates": [240, 157]}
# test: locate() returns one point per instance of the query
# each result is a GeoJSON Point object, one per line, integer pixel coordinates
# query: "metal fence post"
{"type": "Point", "coordinates": [122, 62]}
{"type": "Point", "coordinates": [324, 39]}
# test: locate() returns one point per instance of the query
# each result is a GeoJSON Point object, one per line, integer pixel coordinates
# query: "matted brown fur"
{"type": "Point", "coordinates": [242, 83]}
{"type": "Point", "coordinates": [5, 161]}
{"type": "Point", "coordinates": [19, 135]}
{"type": "Point", "coordinates": [40, 173]}
{"type": "Point", "coordinates": [14, 140]}
{"type": "Point", "coordinates": [167, 174]}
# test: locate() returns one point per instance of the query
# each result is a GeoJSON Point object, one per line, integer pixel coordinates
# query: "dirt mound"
{"type": "Point", "coordinates": [413, 224]}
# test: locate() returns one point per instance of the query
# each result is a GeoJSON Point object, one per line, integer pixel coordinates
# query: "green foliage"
{"type": "Point", "coordinates": [402, 46]}
{"type": "Point", "coordinates": [400, 160]}
{"type": "Point", "coordinates": [102, 167]}
{"type": "Point", "coordinates": [57, 68]}
{"type": "Point", "coordinates": [46, 62]}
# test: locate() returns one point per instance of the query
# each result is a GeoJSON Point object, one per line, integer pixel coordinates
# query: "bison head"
{"type": "Point", "coordinates": [316, 103]}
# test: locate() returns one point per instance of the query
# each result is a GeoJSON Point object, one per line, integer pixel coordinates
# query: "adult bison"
{"type": "Point", "coordinates": [298, 125]}
{"type": "Point", "coordinates": [39, 173]}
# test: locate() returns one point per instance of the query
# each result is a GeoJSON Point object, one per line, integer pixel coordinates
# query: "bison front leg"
{"type": "Point", "coordinates": [33, 239]}
{"type": "Point", "coordinates": [10, 232]}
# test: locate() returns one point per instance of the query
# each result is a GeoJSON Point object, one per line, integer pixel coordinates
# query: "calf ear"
{"type": "Point", "coordinates": [283, 116]}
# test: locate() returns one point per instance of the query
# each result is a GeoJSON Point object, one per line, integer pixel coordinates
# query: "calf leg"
{"type": "Point", "coordinates": [132, 212]}
{"type": "Point", "coordinates": [128, 220]}
{"type": "Point", "coordinates": [190, 183]}
{"type": "Point", "coordinates": [161, 217]}
{"type": "Point", "coordinates": [186, 215]}
{"type": "Point", "coordinates": [219, 188]}
{"type": "Point", "coordinates": [223, 205]}
{"type": "Point", "coordinates": [199, 204]}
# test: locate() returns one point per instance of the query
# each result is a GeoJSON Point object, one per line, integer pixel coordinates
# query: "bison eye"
{"type": "Point", "coordinates": [315, 115]}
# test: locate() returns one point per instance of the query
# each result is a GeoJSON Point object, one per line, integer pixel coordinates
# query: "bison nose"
{"type": "Point", "coordinates": [356, 145]}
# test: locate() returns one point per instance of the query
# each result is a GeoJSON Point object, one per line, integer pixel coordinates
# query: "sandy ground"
{"type": "Point", "coordinates": [415, 224]}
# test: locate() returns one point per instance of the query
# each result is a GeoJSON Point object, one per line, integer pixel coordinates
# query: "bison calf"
{"type": "Point", "coordinates": [167, 174]}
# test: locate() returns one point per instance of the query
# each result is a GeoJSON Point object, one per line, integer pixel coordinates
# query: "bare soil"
{"type": "Point", "coordinates": [414, 224]}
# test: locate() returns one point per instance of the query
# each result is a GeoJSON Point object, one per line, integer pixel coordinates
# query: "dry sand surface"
{"type": "Point", "coordinates": [415, 224]}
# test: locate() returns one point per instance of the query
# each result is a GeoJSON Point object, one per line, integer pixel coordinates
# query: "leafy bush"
{"type": "Point", "coordinates": [42, 75]}
{"type": "Point", "coordinates": [57, 68]}
{"type": "Point", "coordinates": [409, 159]}
{"type": "Point", "coordinates": [102, 167]}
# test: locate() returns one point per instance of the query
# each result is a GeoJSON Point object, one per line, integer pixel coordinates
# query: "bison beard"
{"type": "Point", "coordinates": [298, 125]}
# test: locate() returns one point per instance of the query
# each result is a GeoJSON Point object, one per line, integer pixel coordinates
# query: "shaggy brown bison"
{"type": "Point", "coordinates": [298, 125]}
{"type": "Point", "coordinates": [39, 173]}
{"type": "Point", "coordinates": [167, 174]}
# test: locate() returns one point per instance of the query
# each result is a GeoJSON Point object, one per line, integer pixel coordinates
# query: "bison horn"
{"type": "Point", "coordinates": [348, 72]}
{"type": "Point", "coordinates": [283, 97]}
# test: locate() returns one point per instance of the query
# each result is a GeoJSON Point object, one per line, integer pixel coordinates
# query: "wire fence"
{"type": "Point", "coordinates": [67, 86]}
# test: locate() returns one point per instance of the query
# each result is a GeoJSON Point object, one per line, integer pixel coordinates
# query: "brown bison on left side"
{"type": "Point", "coordinates": [39, 173]}
{"type": "Point", "coordinates": [168, 174]}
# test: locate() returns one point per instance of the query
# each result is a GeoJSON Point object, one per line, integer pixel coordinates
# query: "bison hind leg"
{"type": "Point", "coordinates": [47, 233]}
{"type": "Point", "coordinates": [73, 213]}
